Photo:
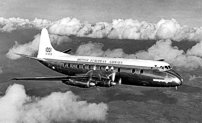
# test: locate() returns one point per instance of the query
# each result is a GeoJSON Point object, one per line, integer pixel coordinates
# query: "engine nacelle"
{"type": "Point", "coordinates": [107, 83]}
{"type": "Point", "coordinates": [83, 84]}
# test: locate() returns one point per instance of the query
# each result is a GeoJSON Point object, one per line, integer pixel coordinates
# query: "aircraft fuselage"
{"type": "Point", "coordinates": [124, 75]}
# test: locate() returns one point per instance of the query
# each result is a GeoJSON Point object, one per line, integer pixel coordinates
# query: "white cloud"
{"type": "Point", "coordinates": [161, 50]}
{"type": "Point", "coordinates": [166, 30]}
{"type": "Point", "coordinates": [66, 26]}
{"type": "Point", "coordinates": [127, 29]}
{"type": "Point", "coordinates": [17, 107]}
{"type": "Point", "coordinates": [29, 48]}
{"type": "Point", "coordinates": [41, 23]}
{"type": "Point", "coordinates": [117, 29]}
{"type": "Point", "coordinates": [32, 47]}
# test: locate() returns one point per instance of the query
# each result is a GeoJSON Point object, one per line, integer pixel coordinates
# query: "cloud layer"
{"type": "Point", "coordinates": [8, 25]}
{"type": "Point", "coordinates": [127, 29]}
{"type": "Point", "coordinates": [163, 49]}
{"type": "Point", "coordinates": [117, 29]}
{"type": "Point", "coordinates": [32, 47]}
{"type": "Point", "coordinates": [165, 31]}
{"type": "Point", "coordinates": [17, 107]}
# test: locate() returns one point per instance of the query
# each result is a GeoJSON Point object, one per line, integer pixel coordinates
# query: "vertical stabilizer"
{"type": "Point", "coordinates": [45, 48]}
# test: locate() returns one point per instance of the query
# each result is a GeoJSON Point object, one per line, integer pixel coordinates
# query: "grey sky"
{"type": "Point", "coordinates": [186, 12]}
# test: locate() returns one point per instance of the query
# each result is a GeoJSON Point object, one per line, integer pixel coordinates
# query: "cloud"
{"type": "Point", "coordinates": [66, 26]}
{"type": "Point", "coordinates": [17, 107]}
{"type": "Point", "coordinates": [127, 29]}
{"type": "Point", "coordinates": [41, 23]}
{"type": "Point", "coordinates": [28, 48]}
{"type": "Point", "coordinates": [165, 31]}
{"type": "Point", "coordinates": [194, 77]}
{"type": "Point", "coordinates": [32, 47]}
{"type": "Point", "coordinates": [95, 49]}
{"type": "Point", "coordinates": [8, 25]}
{"type": "Point", "coordinates": [117, 29]}
{"type": "Point", "coordinates": [163, 49]}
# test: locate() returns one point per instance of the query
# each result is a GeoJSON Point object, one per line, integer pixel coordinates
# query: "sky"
{"type": "Point", "coordinates": [186, 12]}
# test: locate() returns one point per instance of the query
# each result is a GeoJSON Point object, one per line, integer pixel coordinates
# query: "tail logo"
{"type": "Point", "coordinates": [48, 50]}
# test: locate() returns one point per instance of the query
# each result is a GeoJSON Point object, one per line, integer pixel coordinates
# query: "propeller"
{"type": "Point", "coordinates": [120, 81]}
{"type": "Point", "coordinates": [113, 76]}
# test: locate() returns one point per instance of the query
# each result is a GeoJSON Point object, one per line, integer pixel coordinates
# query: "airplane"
{"type": "Point", "coordinates": [89, 71]}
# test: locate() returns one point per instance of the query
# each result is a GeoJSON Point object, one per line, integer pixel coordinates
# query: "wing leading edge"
{"type": "Point", "coordinates": [53, 78]}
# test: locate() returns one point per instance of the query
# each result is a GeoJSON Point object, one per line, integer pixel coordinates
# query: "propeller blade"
{"type": "Point", "coordinates": [120, 81]}
{"type": "Point", "coordinates": [113, 76]}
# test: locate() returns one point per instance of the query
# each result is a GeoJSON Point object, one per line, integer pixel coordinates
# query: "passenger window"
{"type": "Point", "coordinates": [77, 66]}
{"type": "Point", "coordinates": [100, 67]}
{"type": "Point", "coordinates": [87, 66]}
{"type": "Point", "coordinates": [141, 71]}
{"type": "Point", "coordinates": [119, 69]}
{"type": "Point", "coordinates": [91, 67]}
{"type": "Point", "coordinates": [71, 65]}
{"type": "Point", "coordinates": [133, 71]}
{"type": "Point", "coordinates": [80, 66]}
{"type": "Point", "coordinates": [64, 64]}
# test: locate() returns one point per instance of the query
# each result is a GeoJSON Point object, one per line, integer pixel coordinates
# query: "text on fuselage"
{"type": "Point", "coordinates": [99, 61]}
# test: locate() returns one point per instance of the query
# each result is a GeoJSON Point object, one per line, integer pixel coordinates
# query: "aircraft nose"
{"type": "Point", "coordinates": [178, 81]}
{"type": "Point", "coordinates": [176, 78]}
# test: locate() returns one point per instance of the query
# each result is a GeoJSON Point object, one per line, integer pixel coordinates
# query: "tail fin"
{"type": "Point", "coordinates": [45, 48]}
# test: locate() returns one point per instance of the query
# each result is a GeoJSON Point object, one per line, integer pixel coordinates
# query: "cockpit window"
{"type": "Point", "coordinates": [162, 68]}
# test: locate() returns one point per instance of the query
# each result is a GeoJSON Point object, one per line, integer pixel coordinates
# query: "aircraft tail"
{"type": "Point", "coordinates": [45, 48]}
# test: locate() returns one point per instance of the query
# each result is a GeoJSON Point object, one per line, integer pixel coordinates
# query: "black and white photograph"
{"type": "Point", "coordinates": [100, 61]}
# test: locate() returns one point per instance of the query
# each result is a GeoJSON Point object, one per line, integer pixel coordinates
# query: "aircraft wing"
{"type": "Point", "coordinates": [91, 78]}
{"type": "Point", "coordinates": [52, 78]}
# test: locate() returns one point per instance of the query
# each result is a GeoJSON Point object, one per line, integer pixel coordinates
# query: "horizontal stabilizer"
{"type": "Point", "coordinates": [161, 60]}
{"type": "Point", "coordinates": [26, 56]}
{"type": "Point", "coordinates": [68, 51]}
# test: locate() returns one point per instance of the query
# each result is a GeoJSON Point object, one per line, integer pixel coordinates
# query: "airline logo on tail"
{"type": "Point", "coordinates": [48, 50]}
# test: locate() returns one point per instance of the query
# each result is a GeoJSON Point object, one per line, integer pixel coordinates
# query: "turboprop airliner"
{"type": "Point", "coordinates": [89, 71]}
